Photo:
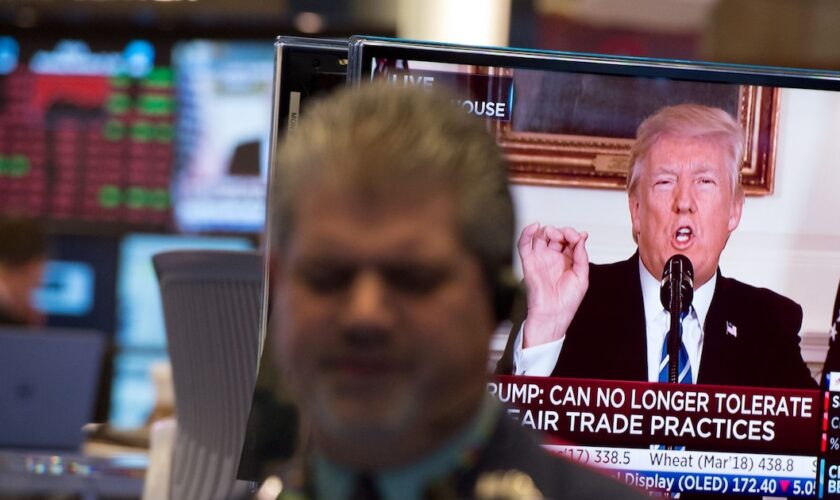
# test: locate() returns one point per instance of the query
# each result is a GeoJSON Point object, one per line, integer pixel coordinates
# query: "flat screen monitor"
{"type": "Point", "coordinates": [79, 284]}
{"type": "Point", "coordinates": [141, 333]}
{"type": "Point", "coordinates": [752, 421]}
{"type": "Point", "coordinates": [304, 68]}
{"type": "Point", "coordinates": [224, 95]}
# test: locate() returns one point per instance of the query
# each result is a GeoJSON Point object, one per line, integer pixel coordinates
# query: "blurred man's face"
{"type": "Point", "coordinates": [684, 203]}
{"type": "Point", "coordinates": [383, 319]}
{"type": "Point", "coordinates": [21, 282]}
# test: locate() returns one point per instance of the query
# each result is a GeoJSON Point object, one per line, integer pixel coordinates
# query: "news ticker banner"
{"type": "Point", "coordinates": [829, 466]}
{"type": "Point", "coordinates": [701, 472]}
{"type": "Point", "coordinates": [640, 414]}
{"type": "Point", "coordinates": [482, 94]}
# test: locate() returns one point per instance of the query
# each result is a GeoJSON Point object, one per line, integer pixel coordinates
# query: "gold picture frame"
{"type": "Point", "coordinates": [591, 160]}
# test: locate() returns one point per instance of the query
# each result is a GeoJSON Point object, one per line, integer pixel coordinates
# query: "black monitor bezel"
{"type": "Point", "coordinates": [363, 50]}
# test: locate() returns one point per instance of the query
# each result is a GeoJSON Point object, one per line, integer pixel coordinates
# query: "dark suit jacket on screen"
{"type": "Point", "coordinates": [607, 337]}
{"type": "Point", "coordinates": [832, 359]}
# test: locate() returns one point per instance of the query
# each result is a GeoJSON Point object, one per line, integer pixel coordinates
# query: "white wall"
{"type": "Point", "coordinates": [788, 241]}
{"type": "Point", "coordinates": [471, 22]}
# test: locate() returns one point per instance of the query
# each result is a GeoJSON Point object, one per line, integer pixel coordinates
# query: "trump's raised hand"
{"type": "Point", "coordinates": [556, 269]}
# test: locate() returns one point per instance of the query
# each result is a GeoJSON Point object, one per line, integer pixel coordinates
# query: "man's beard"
{"type": "Point", "coordinates": [347, 422]}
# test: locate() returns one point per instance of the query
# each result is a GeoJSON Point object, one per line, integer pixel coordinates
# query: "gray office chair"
{"type": "Point", "coordinates": [211, 304]}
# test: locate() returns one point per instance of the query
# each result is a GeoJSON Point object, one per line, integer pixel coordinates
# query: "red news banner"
{"type": "Point", "coordinates": [634, 414]}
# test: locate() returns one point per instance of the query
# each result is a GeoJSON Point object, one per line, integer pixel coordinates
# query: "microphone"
{"type": "Point", "coordinates": [676, 293]}
{"type": "Point", "coordinates": [676, 289]}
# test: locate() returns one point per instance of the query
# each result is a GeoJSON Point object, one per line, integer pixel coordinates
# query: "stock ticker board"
{"type": "Point", "coordinates": [86, 146]}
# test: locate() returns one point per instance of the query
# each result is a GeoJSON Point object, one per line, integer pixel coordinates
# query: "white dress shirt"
{"type": "Point", "coordinates": [540, 360]}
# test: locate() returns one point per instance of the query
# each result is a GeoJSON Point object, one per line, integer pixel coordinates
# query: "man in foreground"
{"type": "Point", "coordinates": [391, 237]}
{"type": "Point", "coordinates": [607, 321]}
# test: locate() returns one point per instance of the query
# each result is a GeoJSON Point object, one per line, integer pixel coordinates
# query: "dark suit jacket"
{"type": "Point", "coordinates": [512, 447]}
{"type": "Point", "coordinates": [509, 447]}
{"type": "Point", "coordinates": [832, 359]}
{"type": "Point", "coordinates": [607, 337]}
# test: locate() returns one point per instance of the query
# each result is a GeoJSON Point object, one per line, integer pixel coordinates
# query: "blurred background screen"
{"type": "Point", "coordinates": [124, 147]}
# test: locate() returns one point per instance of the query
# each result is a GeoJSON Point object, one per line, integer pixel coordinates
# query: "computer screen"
{"type": "Point", "coordinates": [141, 333]}
{"type": "Point", "coordinates": [79, 282]}
{"type": "Point", "coordinates": [223, 125]}
{"type": "Point", "coordinates": [305, 68]}
{"type": "Point", "coordinates": [752, 421]}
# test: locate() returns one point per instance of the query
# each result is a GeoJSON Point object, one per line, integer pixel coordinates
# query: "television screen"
{"type": "Point", "coordinates": [735, 408]}
{"type": "Point", "coordinates": [79, 282]}
{"type": "Point", "coordinates": [224, 117]}
{"type": "Point", "coordinates": [305, 69]}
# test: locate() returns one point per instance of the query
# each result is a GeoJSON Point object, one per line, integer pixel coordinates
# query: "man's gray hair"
{"type": "Point", "coordinates": [688, 121]}
{"type": "Point", "coordinates": [379, 139]}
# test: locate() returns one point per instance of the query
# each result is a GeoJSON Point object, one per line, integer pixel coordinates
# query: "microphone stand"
{"type": "Point", "coordinates": [674, 332]}
{"type": "Point", "coordinates": [678, 269]}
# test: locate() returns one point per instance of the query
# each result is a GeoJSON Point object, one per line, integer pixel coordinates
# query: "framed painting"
{"type": "Point", "coordinates": [577, 129]}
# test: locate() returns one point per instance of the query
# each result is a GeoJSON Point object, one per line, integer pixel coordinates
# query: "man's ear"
{"type": "Point", "coordinates": [275, 267]}
{"type": "Point", "coordinates": [633, 205]}
{"type": "Point", "coordinates": [736, 209]}
{"type": "Point", "coordinates": [273, 262]}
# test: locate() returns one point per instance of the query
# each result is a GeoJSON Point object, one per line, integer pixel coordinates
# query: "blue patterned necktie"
{"type": "Point", "coordinates": [683, 377]}
{"type": "Point", "coordinates": [684, 366]}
